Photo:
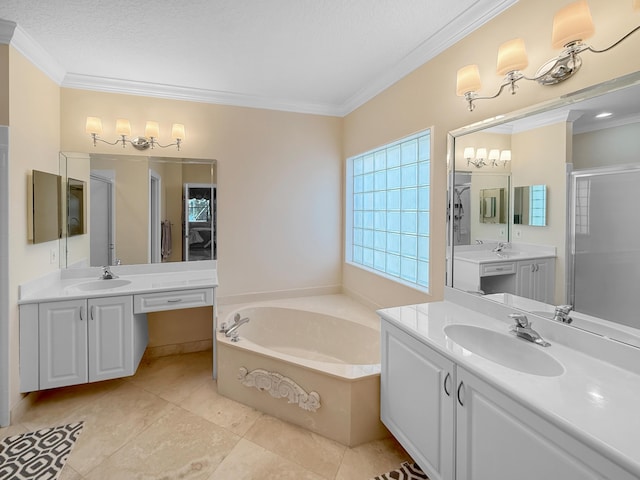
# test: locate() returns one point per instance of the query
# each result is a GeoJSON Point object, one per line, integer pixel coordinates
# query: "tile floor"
{"type": "Point", "coordinates": [169, 422]}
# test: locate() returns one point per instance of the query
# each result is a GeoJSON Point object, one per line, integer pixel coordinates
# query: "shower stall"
{"type": "Point", "coordinates": [605, 227]}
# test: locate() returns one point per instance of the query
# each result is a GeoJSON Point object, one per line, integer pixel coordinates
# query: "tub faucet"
{"type": "Point", "coordinates": [107, 274]}
{"type": "Point", "coordinates": [523, 329]}
{"type": "Point", "coordinates": [237, 321]}
{"type": "Point", "coordinates": [562, 314]}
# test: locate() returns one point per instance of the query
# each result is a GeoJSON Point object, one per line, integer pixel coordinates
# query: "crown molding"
{"type": "Point", "coordinates": [172, 92]}
{"type": "Point", "coordinates": [473, 18]}
{"type": "Point", "coordinates": [7, 28]}
{"type": "Point", "coordinates": [37, 55]}
{"type": "Point", "coordinates": [477, 15]}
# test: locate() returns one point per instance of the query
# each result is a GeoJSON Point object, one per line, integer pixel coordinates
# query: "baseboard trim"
{"type": "Point", "coordinates": [278, 294]}
{"type": "Point", "coordinates": [177, 349]}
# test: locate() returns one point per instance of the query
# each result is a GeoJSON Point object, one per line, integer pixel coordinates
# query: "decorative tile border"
{"type": "Point", "coordinates": [279, 386]}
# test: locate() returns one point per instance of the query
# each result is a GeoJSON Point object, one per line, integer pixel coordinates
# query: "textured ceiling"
{"type": "Point", "coordinates": [321, 56]}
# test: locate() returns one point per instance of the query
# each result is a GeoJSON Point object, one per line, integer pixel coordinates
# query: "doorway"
{"type": "Point", "coordinates": [102, 218]}
{"type": "Point", "coordinates": [199, 223]}
{"type": "Point", "coordinates": [155, 189]}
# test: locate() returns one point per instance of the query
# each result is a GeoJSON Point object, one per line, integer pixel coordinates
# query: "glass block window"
{"type": "Point", "coordinates": [388, 196]}
{"type": "Point", "coordinates": [538, 205]}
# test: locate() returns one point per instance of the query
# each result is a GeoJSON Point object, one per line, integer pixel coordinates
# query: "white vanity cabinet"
{"type": "Point", "coordinates": [535, 279]}
{"type": "Point", "coordinates": [499, 439]}
{"type": "Point", "coordinates": [532, 278]}
{"type": "Point", "coordinates": [417, 402]}
{"type": "Point", "coordinates": [77, 341]}
{"type": "Point", "coordinates": [459, 427]}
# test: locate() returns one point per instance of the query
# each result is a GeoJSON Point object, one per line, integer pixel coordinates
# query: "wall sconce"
{"type": "Point", "coordinates": [123, 128]}
{"type": "Point", "coordinates": [571, 26]}
{"type": "Point", "coordinates": [477, 157]}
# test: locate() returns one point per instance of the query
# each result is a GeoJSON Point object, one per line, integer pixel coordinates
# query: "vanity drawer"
{"type": "Point", "coordinates": [490, 269]}
{"type": "Point", "coordinates": [158, 302]}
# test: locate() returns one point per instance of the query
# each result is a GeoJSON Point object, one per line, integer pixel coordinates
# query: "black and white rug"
{"type": "Point", "coordinates": [37, 455]}
{"type": "Point", "coordinates": [407, 471]}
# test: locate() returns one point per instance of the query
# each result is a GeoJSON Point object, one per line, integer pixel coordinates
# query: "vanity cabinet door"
{"type": "Point", "coordinates": [110, 337]}
{"type": "Point", "coordinates": [535, 279]}
{"type": "Point", "coordinates": [417, 400]}
{"type": "Point", "coordinates": [62, 343]}
{"type": "Point", "coordinates": [499, 439]}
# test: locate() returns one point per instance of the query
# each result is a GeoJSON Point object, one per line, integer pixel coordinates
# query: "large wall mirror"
{"type": "Point", "coordinates": [139, 209]}
{"type": "Point", "coordinates": [573, 173]}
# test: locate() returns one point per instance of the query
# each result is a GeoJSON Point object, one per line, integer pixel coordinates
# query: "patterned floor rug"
{"type": "Point", "coordinates": [407, 471]}
{"type": "Point", "coordinates": [37, 455]}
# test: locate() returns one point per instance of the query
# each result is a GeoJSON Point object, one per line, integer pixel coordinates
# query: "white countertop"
{"type": "Point", "coordinates": [62, 285]}
{"type": "Point", "coordinates": [593, 400]}
{"type": "Point", "coordinates": [484, 253]}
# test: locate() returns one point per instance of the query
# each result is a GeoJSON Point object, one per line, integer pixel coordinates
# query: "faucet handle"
{"type": "Point", "coordinates": [564, 309]}
{"type": "Point", "coordinates": [520, 319]}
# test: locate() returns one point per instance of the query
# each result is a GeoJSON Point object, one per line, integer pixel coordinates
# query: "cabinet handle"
{"type": "Point", "coordinates": [459, 399]}
{"type": "Point", "coordinates": [174, 300]}
{"type": "Point", "coordinates": [92, 312]}
{"type": "Point", "coordinates": [533, 268]}
{"type": "Point", "coordinates": [81, 312]}
{"type": "Point", "coordinates": [448, 377]}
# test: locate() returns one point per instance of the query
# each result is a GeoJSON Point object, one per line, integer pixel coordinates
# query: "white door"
{"type": "Point", "coordinates": [62, 343]}
{"type": "Point", "coordinates": [155, 189]}
{"type": "Point", "coordinates": [499, 439]}
{"type": "Point", "coordinates": [417, 401]}
{"type": "Point", "coordinates": [4, 276]}
{"type": "Point", "coordinates": [102, 220]}
{"type": "Point", "coordinates": [110, 337]}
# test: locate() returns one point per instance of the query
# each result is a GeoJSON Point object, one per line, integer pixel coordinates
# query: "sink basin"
{"type": "Point", "coordinates": [505, 349]}
{"type": "Point", "coordinates": [101, 285]}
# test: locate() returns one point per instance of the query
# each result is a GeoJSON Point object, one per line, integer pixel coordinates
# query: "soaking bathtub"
{"type": "Point", "coordinates": [312, 362]}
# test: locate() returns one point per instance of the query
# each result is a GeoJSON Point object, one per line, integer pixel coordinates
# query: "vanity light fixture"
{"type": "Point", "coordinates": [505, 157]}
{"type": "Point", "coordinates": [478, 157]}
{"type": "Point", "coordinates": [572, 25]}
{"type": "Point", "coordinates": [123, 128]}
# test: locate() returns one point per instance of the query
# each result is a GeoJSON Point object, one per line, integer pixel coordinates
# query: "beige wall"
{"type": "Point", "coordinates": [540, 158]}
{"type": "Point", "coordinates": [34, 108]}
{"type": "Point", "coordinates": [611, 146]}
{"type": "Point", "coordinates": [427, 98]}
{"type": "Point", "coordinates": [279, 180]}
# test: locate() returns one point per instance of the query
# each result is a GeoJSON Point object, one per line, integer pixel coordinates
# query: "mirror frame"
{"type": "Point", "coordinates": [625, 81]}
{"type": "Point", "coordinates": [64, 156]}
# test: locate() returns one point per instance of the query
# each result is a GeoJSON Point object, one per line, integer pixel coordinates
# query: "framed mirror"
{"type": "Point", "coordinates": [46, 206]}
{"type": "Point", "coordinates": [137, 210]}
{"type": "Point", "coordinates": [530, 205]}
{"type": "Point", "coordinates": [566, 221]}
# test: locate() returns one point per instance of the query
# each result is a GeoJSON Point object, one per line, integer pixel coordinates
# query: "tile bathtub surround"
{"type": "Point", "coordinates": [168, 421]}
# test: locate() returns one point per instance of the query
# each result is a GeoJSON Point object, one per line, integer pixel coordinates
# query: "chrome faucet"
{"type": "Point", "coordinates": [562, 314]}
{"type": "Point", "coordinates": [501, 246]}
{"type": "Point", "coordinates": [107, 274]}
{"type": "Point", "coordinates": [231, 331]}
{"type": "Point", "coordinates": [523, 329]}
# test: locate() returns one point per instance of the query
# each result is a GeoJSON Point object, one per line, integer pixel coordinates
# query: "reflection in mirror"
{"type": "Point", "coordinates": [590, 246]}
{"type": "Point", "coordinates": [136, 208]}
{"type": "Point", "coordinates": [46, 206]}
{"type": "Point", "coordinates": [530, 205]}
{"type": "Point", "coordinates": [492, 205]}
{"type": "Point", "coordinates": [75, 207]}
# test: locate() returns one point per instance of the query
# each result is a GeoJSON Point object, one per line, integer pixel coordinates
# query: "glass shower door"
{"type": "Point", "coordinates": [605, 247]}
